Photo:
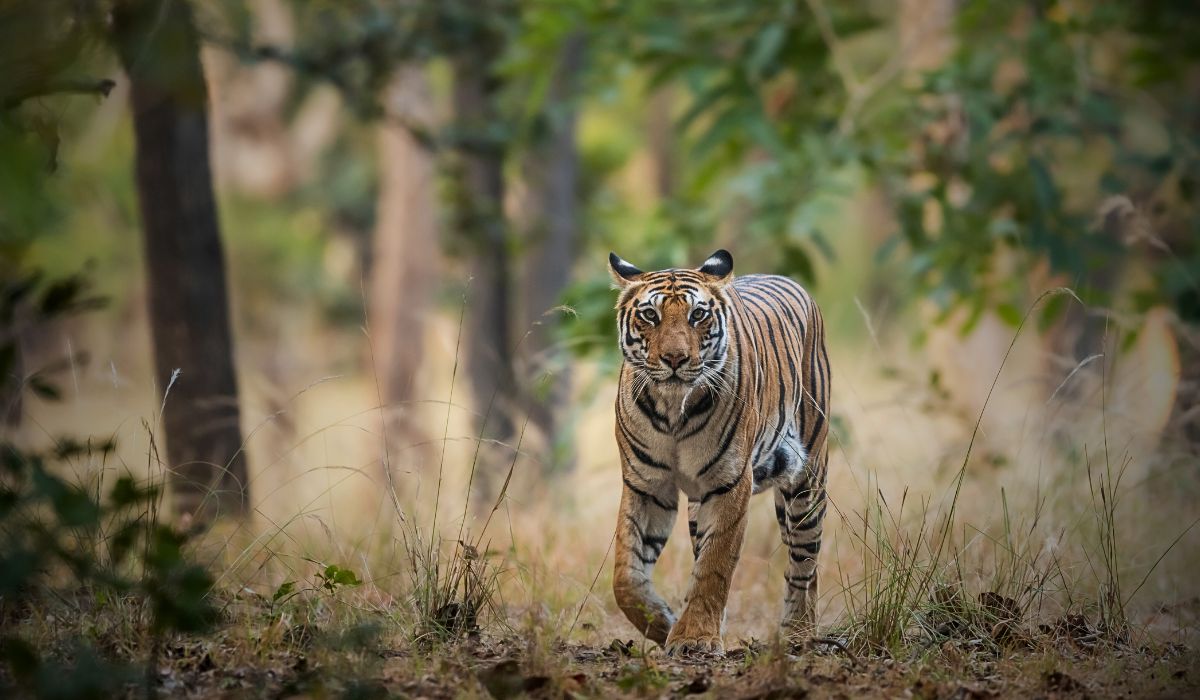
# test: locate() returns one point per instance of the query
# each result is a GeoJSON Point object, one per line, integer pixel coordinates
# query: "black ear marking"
{"type": "Point", "coordinates": [719, 264]}
{"type": "Point", "coordinates": [622, 268]}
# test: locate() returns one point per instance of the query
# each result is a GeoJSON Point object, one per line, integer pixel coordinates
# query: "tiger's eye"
{"type": "Point", "coordinates": [649, 315]}
{"type": "Point", "coordinates": [699, 315]}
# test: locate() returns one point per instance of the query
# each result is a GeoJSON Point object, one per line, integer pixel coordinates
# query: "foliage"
{"type": "Point", "coordinates": [56, 535]}
{"type": "Point", "coordinates": [1001, 161]}
{"type": "Point", "coordinates": [1026, 131]}
{"type": "Point", "coordinates": [996, 163]}
{"type": "Point", "coordinates": [761, 112]}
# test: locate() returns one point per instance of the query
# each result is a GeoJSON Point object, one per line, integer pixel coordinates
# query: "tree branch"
{"type": "Point", "coordinates": [68, 86]}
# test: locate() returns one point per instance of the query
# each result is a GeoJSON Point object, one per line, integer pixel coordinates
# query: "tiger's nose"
{"type": "Point", "coordinates": [674, 360]}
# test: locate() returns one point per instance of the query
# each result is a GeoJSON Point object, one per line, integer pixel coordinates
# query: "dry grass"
{"type": "Point", "coordinates": [1036, 546]}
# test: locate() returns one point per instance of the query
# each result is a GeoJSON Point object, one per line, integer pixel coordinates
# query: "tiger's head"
{"type": "Point", "coordinates": [673, 324]}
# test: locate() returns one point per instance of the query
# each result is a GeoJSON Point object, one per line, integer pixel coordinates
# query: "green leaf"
{"type": "Point", "coordinates": [1010, 314]}
{"type": "Point", "coordinates": [1051, 311]}
{"type": "Point", "coordinates": [766, 48]}
{"type": "Point", "coordinates": [15, 292]}
{"type": "Point", "coordinates": [73, 506]}
{"type": "Point", "coordinates": [346, 577]}
{"type": "Point", "coordinates": [1044, 188]}
{"type": "Point", "coordinates": [180, 599]}
{"type": "Point", "coordinates": [61, 294]}
{"type": "Point", "coordinates": [126, 492]}
{"type": "Point", "coordinates": [285, 589]}
{"type": "Point", "coordinates": [120, 544]}
{"type": "Point", "coordinates": [702, 104]}
{"type": "Point", "coordinates": [796, 262]}
{"type": "Point", "coordinates": [824, 245]}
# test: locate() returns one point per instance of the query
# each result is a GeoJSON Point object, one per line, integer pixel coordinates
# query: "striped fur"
{"type": "Point", "coordinates": [723, 393]}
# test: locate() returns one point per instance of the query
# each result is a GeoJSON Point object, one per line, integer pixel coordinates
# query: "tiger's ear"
{"type": "Point", "coordinates": [718, 267]}
{"type": "Point", "coordinates": [623, 273]}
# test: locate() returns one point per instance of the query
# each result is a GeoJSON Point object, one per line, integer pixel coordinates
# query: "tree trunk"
{"type": "Point", "coordinates": [660, 141]}
{"type": "Point", "coordinates": [553, 174]}
{"type": "Point", "coordinates": [185, 268]}
{"type": "Point", "coordinates": [404, 261]}
{"type": "Point", "coordinates": [489, 348]}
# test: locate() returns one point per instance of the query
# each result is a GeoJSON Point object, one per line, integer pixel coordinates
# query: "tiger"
{"type": "Point", "coordinates": [723, 393]}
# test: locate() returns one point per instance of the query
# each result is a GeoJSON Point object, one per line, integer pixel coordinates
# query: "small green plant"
{"type": "Point", "coordinates": [334, 577]}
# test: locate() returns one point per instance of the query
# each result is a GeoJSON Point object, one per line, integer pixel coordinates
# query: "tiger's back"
{"type": "Point", "coordinates": [784, 333]}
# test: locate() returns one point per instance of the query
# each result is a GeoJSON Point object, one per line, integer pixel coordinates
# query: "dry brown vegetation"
{"type": "Point", "coordinates": [1032, 547]}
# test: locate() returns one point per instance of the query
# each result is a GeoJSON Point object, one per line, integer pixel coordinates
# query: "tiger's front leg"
{"type": "Point", "coordinates": [720, 527]}
{"type": "Point", "coordinates": [646, 516]}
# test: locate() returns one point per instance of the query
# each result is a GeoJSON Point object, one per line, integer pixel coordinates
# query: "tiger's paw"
{"type": "Point", "coordinates": [687, 640]}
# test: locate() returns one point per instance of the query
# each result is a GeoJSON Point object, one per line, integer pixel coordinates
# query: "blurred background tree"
{"type": "Point", "coordinates": [158, 47]}
{"type": "Point", "coordinates": [379, 160]}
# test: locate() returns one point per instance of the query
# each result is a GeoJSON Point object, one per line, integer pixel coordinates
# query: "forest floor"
{"type": "Point", "coordinates": [505, 668]}
{"type": "Point", "coordinates": [261, 651]}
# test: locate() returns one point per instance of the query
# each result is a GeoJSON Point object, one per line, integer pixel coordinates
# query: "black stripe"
{"type": "Point", "coordinates": [648, 496]}
{"type": "Point", "coordinates": [766, 321]}
{"type": "Point", "coordinates": [782, 303]}
{"type": "Point", "coordinates": [819, 408]}
{"type": "Point", "coordinates": [812, 518]}
{"type": "Point", "coordinates": [798, 558]}
{"type": "Point", "coordinates": [787, 288]}
{"type": "Point", "coordinates": [641, 455]}
{"type": "Point", "coordinates": [731, 425]}
{"type": "Point", "coordinates": [699, 408]}
{"type": "Point", "coordinates": [731, 429]}
{"type": "Point", "coordinates": [651, 412]}
{"type": "Point", "coordinates": [628, 435]}
{"type": "Point", "coordinates": [799, 582]}
{"type": "Point", "coordinates": [708, 417]}
{"type": "Point", "coordinates": [801, 494]}
{"type": "Point", "coordinates": [654, 541]}
{"type": "Point", "coordinates": [637, 528]}
{"type": "Point", "coordinates": [724, 488]}
{"type": "Point", "coordinates": [801, 553]}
